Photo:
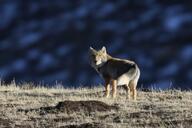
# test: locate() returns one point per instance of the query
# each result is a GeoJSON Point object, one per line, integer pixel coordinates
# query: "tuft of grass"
{"type": "Point", "coordinates": [170, 108]}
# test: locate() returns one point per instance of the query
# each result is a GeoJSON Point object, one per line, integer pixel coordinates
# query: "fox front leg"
{"type": "Point", "coordinates": [107, 87]}
{"type": "Point", "coordinates": [114, 88]}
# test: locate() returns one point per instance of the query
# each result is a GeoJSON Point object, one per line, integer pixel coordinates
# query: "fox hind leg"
{"type": "Point", "coordinates": [132, 86]}
{"type": "Point", "coordinates": [128, 91]}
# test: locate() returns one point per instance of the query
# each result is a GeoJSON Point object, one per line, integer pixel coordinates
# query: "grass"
{"type": "Point", "coordinates": [171, 108]}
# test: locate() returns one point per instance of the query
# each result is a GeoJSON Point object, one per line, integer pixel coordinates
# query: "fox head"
{"type": "Point", "coordinates": [98, 58]}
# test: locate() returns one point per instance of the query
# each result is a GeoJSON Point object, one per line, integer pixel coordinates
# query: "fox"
{"type": "Point", "coordinates": [115, 72]}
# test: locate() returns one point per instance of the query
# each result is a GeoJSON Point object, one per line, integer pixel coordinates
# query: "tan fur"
{"type": "Point", "coordinates": [115, 71]}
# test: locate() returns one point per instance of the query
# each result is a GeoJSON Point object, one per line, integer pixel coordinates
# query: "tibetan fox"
{"type": "Point", "coordinates": [115, 71]}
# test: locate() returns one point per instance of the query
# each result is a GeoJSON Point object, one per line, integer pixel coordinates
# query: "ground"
{"type": "Point", "coordinates": [26, 106]}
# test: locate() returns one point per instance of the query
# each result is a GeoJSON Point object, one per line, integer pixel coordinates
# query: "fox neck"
{"type": "Point", "coordinates": [98, 67]}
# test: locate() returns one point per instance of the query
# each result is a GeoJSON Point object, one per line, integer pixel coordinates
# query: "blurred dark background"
{"type": "Point", "coordinates": [47, 41]}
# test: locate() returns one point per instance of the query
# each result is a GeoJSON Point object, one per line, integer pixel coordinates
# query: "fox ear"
{"type": "Point", "coordinates": [104, 49]}
{"type": "Point", "coordinates": [92, 50]}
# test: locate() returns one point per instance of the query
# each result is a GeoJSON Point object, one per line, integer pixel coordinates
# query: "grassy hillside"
{"type": "Point", "coordinates": [28, 107]}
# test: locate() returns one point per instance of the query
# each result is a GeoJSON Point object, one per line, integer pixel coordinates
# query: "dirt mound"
{"type": "Point", "coordinates": [76, 107]}
{"type": "Point", "coordinates": [88, 106]}
{"type": "Point", "coordinates": [88, 125]}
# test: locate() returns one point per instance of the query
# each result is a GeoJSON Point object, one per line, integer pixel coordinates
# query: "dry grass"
{"type": "Point", "coordinates": [171, 108]}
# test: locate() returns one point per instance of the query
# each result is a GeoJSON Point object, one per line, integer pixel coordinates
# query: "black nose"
{"type": "Point", "coordinates": [95, 61]}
